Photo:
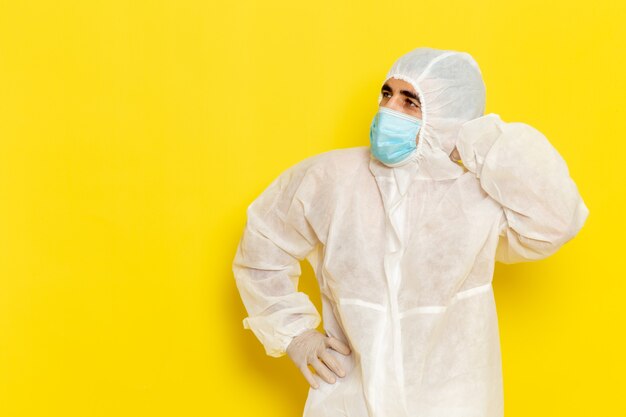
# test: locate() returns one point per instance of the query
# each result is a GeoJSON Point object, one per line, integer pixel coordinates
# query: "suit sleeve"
{"type": "Point", "coordinates": [519, 168]}
{"type": "Point", "coordinates": [266, 267]}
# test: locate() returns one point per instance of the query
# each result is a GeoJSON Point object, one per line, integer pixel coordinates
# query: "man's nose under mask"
{"type": "Point", "coordinates": [393, 136]}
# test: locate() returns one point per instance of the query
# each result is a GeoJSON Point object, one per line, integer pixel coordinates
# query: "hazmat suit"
{"type": "Point", "coordinates": [404, 255]}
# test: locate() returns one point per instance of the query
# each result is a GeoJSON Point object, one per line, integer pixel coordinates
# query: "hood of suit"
{"type": "Point", "coordinates": [451, 92]}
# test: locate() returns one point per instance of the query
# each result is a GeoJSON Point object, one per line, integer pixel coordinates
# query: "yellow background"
{"type": "Point", "coordinates": [133, 135]}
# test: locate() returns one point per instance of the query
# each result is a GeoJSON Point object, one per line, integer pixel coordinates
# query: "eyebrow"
{"type": "Point", "coordinates": [407, 93]}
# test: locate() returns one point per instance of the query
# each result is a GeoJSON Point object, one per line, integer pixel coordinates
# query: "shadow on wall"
{"type": "Point", "coordinates": [517, 284]}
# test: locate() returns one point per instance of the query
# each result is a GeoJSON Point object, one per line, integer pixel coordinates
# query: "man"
{"type": "Point", "coordinates": [403, 236]}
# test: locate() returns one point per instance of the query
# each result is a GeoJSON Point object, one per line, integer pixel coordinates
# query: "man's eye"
{"type": "Point", "coordinates": [385, 94]}
{"type": "Point", "coordinates": [410, 102]}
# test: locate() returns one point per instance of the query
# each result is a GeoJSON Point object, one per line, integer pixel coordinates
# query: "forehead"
{"type": "Point", "coordinates": [397, 84]}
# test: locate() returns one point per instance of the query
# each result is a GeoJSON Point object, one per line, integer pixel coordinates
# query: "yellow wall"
{"type": "Point", "coordinates": [133, 135]}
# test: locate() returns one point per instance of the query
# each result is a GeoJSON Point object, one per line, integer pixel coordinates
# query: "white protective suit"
{"type": "Point", "coordinates": [404, 255]}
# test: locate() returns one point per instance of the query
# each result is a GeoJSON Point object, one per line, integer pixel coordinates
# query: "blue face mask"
{"type": "Point", "coordinates": [393, 135]}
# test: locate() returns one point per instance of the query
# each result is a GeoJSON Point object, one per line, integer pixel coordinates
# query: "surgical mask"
{"type": "Point", "coordinates": [393, 135]}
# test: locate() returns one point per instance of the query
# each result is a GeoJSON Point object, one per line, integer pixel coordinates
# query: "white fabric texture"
{"type": "Point", "coordinates": [404, 255]}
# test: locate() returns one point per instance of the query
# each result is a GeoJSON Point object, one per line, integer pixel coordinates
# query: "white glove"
{"type": "Point", "coordinates": [309, 347]}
